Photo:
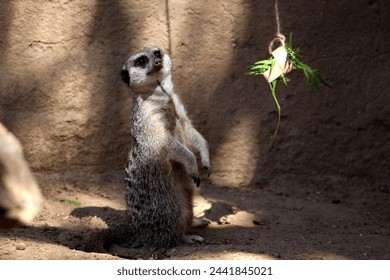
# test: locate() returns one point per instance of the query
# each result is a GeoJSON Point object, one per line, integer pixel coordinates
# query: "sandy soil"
{"type": "Point", "coordinates": [61, 95]}
{"type": "Point", "coordinates": [293, 218]}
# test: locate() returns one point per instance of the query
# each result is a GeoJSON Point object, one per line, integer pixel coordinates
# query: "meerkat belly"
{"type": "Point", "coordinates": [152, 137]}
{"type": "Point", "coordinates": [154, 207]}
{"type": "Point", "coordinates": [154, 198]}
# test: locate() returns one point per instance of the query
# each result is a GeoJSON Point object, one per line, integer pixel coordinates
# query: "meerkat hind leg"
{"type": "Point", "coordinates": [193, 239]}
{"type": "Point", "coordinates": [196, 239]}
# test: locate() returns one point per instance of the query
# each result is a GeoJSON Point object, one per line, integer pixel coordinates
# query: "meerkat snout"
{"type": "Point", "coordinates": [157, 65]}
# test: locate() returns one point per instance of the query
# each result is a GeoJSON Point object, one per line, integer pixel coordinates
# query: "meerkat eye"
{"type": "Point", "coordinates": [141, 61]}
{"type": "Point", "coordinates": [157, 53]}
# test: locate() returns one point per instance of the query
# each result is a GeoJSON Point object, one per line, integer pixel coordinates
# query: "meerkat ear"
{"type": "Point", "coordinates": [125, 75]}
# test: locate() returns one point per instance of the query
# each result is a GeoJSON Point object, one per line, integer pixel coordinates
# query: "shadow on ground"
{"type": "Point", "coordinates": [285, 221]}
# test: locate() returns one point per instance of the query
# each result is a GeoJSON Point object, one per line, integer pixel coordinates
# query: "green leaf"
{"type": "Point", "coordinates": [272, 85]}
{"type": "Point", "coordinates": [259, 67]}
{"type": "Point", "coordinates": [284, 79]}
{"type": "Point", "coordinates": [264, 62]}
{"type": "Point", "coordinates": [72, 202]}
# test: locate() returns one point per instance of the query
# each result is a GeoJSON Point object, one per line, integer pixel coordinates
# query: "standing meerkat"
{"type": "Point", "coordinates": [162, 168]}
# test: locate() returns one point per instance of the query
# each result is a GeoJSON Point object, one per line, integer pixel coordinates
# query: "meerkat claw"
{"type": "Point", "coordinates": [196, 180]}
{"type": "Point", "coordinates": [208, 168]}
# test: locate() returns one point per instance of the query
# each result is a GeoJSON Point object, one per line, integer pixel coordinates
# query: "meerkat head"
{"type": "Point", "coordinates": [143, 70]}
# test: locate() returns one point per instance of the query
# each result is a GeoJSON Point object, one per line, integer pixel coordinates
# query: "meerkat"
{"type": "Point", "coordinates": [162, 167]}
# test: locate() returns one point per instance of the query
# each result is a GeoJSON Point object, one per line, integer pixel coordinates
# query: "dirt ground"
{"type": "Point", "coordinates": [292, 218]}
{"type": "Point", "coordinates": [321, 192]}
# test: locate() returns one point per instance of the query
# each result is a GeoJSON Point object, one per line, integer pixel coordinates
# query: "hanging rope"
{"type": "Point", "coordinates": [168, 27]}
{"type": "Point", "coordinates": [279, 37]}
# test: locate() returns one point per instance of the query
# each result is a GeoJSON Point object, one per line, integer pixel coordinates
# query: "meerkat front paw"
{"type": "Point", "coordinates": [193, 239]}
{"type": "Point", "coordinates": [196, 180]}
{"type": "Point", "coordinates": [206, 165]}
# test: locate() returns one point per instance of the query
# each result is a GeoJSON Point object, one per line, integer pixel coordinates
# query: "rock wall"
{"type": "Point", "coordinates": [61, 94]}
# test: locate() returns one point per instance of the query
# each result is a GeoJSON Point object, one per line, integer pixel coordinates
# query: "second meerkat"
{"type": "Point", "coordinates": [162, 166]}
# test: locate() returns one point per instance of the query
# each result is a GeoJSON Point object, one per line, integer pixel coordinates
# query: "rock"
{"type": "Point", "coordinates": [21, 246]}
{"type": "Point", "coordinates": [20, 197]}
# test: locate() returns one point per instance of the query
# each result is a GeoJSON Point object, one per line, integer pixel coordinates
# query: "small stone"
{"type": "Point", "coordinates": [21, 246]}
{"type": "Point", "coordinates": [259, 222]}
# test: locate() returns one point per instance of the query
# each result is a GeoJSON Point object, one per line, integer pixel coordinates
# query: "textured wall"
{"type": "Point", "coordinates": [62, 96]}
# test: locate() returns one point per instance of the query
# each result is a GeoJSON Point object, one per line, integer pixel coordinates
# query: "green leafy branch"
{"type": "Point", "coordinates": [312, 75]}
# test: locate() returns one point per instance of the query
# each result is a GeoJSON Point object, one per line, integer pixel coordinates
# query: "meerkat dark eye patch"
{"type": "Point", "coordinates": [157, 53]}
{"type": "Point", "coordinates": [141, 61]}
{"type": "Point", "coordinates": [125, 76]}
{"type": "Point", "coordinates": [3, 211]}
